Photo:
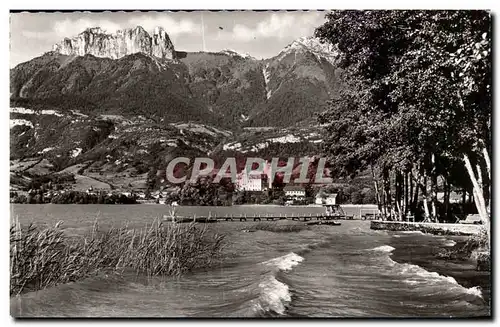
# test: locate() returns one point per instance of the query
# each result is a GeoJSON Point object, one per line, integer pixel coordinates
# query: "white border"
{"type": "Point", "coordinates": [190, 4]}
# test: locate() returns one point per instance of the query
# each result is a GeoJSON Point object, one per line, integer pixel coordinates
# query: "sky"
{"type": "Point", "coordinates": [260, 34]}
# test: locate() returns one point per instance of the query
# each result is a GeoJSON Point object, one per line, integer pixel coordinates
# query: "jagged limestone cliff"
{"type": "Point", "coordinates": [97, 42]}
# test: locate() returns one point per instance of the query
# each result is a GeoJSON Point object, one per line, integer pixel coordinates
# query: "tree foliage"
{"type": "Point", "coordinates": [418, 99]}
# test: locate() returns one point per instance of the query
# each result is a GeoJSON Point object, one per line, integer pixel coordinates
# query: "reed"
{"type": "Point", "coordinates": [45, 257]}
{"type": "Point", "coordinates": [278, 227]}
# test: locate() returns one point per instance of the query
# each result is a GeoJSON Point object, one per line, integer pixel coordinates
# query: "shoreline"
{"type": "Point", "coordinates": [427, 228]}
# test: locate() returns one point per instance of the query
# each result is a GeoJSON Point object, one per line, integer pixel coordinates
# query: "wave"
{"type": "Point", "coordinates": [383, 248]}
{"type": "Point", "coordinates": [416, 275]}
{"type": "Point", "coordinates": [285, 262]}
{"type": "Point", "coordinates": [274, 295]}
{"type": "Point", "coordinates": [449, 243]}
{"type": "Point", "coordinates": [475, 290]}
{"type": "Point", "coordinates": [412, 232]}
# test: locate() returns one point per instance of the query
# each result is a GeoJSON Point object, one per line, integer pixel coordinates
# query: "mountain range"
{"type": "Point", "coordinates": [99, 98]}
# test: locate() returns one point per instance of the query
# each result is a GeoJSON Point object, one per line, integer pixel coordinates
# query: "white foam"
{"type": "Point", "coordinates": [285, 262]}
{"type": "Point", "coordinates": [408, 268]}
{"type": "Point", "coordinates": [383, 248]}
{"type": "Point", "coordinates": [274, 295]}
{"type": "Point", "coordinates": [412, 232]}
{"type": "Point", "coordinates": [476, 290]}
{"type": "Point", "coordinates": [450, 243]}
{"type": "Point", "coordinates": [418, 275]}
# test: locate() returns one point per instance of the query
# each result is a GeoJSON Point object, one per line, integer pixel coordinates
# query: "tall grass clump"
{"type": "Point", "coordinates": [45, 257]}
{"type": "Point", "coordinates": [278, 227]}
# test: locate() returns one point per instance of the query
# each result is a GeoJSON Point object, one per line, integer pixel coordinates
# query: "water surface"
{"type": "Point", "coordinates": [324, 271]}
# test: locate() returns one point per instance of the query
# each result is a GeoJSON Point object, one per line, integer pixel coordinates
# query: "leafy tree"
{"type": "Point", "coordinates": [417, 103]}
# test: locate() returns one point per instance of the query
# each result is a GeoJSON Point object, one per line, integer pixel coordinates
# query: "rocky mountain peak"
{"type": "Point", "coordinates": [95, 30]}
{"type": "Point", "coordinates": [314, 45]}
{"type": "Point", "coordinates": [97, 42]}
{"type": "Point", "coordinates": [235, 53]}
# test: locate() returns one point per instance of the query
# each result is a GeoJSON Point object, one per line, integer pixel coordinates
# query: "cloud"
{"type": "Point", "coordinates": [40, 35]}
{"type": "Point", "coordinates": [279, 25]}
{"type": "Point", "coordinates": [70, 27]}
{"type": "Point", "coordinates": [172, 26]}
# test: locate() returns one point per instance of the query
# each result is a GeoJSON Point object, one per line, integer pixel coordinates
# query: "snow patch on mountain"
{"type": "Point", "coordinates": [46, 150]}
{"type": "Point", "coordinates": [18, 122]}
{"type": "Point", "coordinates": [311, 44]}
{"type": "Point", "coordinates": [51, 112]}
{"type": "Point", "coordinates": [244, 148]}
{"type": "Point", "coordinates": [234, 53]}
{"type": "Point", "coordinates": [267, 78]}
{"type": "Point", "coordinates": [231, 146]}
{"type": "Point", "coordinates": [289, 138]}
{"type": "Point", "coordinates": [25, 111]}
{"type": "Point", "coordinates": [21, 110]}
{"type": "Point", "coordinates": [76, 152]}
{"type": "Point", "coordinates": [201, 129]}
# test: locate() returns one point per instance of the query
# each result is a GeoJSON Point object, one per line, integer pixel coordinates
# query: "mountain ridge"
{"type": "Point", "coordinates": [97, 42]}
{"type": "Point", "coordinates": [229, 99]}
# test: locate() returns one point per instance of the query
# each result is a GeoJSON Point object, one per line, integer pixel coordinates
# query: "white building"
{"type": "Point", "coordinates": [294, 191]}
{"type": "Point", "coordinates": [323, 198]}
{"type": "Point", "coordinates": [252, 182]}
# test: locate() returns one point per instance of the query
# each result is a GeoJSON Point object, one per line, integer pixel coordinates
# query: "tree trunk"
{"type": "Point", "coordinates": [433, 177]}
{"type": "Point", "coordinates": [410, 198]}
{"type": "Point", "coordinates": [416, 179]}
{"type": "Point", "coordinates": [488, 162]}
{"type": "Point", "coordinates": [446, 200]}
{"type": "Point", "coordinates": [387, 190]}
{"type": "Point", "coordinates": [477, 192]}
{"type": "Point", "coordinates": [415, 199]}
{"type": "Point", "coordinates": [464, 200]}
{"type": "Point", "coordinates": [425, 196]}
{"type": "Point", "coordinates": [488, 171]}
{"type": "Point", "coordinates": [405, 193]}
{"type": "Point", "coordinates": [398, 189]}
{"type": "Point", "coordinates": [377, 193]}
{"type": "Point", "coordinates": [384, 207]}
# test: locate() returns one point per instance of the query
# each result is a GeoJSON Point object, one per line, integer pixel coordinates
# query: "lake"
{"type": "Point", "coordinates": [323, 271]}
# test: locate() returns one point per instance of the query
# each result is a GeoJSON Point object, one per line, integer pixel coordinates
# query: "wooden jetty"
{"type": "Point", "coordinates": [323, 218]}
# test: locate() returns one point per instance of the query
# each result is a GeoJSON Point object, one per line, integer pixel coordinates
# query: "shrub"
{"type": "Point", "coordinates": [45, 257]}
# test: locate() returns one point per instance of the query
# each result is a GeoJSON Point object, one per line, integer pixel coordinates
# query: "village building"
{"type": "Point", "coordinates": [326, 198]}
{"type": "Point", "coordinates": [251, 182]}
{"type": "Point", "coordinates": [294, 191]}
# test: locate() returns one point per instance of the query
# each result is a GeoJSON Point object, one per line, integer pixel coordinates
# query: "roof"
{"type": "Point", "coordinates": [293, 188]}
{"type": "Point", "coordinates": [326, 195]}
